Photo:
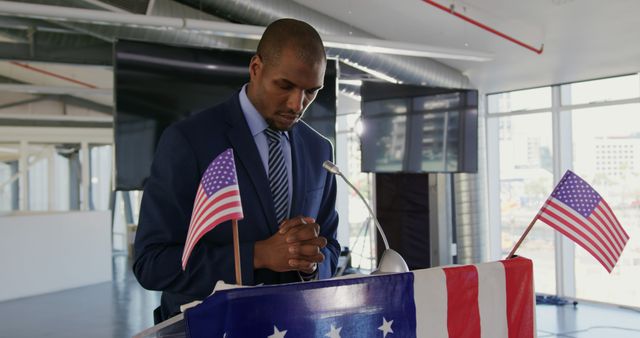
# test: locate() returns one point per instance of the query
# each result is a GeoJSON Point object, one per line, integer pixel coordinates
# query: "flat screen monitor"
{"type": "Point", "coordinates": [157, 85]}
{"type": "Point", "coordinates": [418, 129]}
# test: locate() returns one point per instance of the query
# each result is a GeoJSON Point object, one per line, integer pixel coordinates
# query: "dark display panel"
{"type": "Point", "coordinates": [157, 85]}
{"type": "Point", "coordinates": [417, 129]}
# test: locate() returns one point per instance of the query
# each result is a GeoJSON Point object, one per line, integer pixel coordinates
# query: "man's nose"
{"type": "Point", "coordinates": [296, 100]}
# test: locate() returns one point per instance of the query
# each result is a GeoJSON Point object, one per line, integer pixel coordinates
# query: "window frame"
{"type": "Point", "coordinates": [561, 116]}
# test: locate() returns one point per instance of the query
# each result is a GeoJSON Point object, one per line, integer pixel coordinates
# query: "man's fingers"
{"type": "Point", "coordinates": [311, 269]}
{"type": "Point", "coordinates": [294, 222]}
{"type": "Point", "coordinates": [315, 258]}
{"type": "Point", "coordinates": [310, 248]}
{"type": "Point", "coordinates": [322, 242]}
{"type": "Point", "coordinates": [306, 263]}
{"type": "Point", "coordinates": [303, 233]}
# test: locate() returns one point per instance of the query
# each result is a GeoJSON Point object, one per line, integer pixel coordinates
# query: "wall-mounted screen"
{"type": "Point", "coordinates": [417, 129]}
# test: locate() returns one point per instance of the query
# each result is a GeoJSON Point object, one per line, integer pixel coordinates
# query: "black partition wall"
{"type": "Point", "coordinates": [156, 85]}
{"type": "Point", "coordinates": [418, 129]}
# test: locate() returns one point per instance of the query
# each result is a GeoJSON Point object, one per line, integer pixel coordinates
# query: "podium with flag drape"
{"type": "Point", "coordinates": [488, 300]}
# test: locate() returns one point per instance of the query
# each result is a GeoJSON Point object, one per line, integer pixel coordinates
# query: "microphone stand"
{"type": "Point", "coordinates": [390, 261]}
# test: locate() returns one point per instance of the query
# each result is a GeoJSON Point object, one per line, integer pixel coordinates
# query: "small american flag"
{"type": "Point", "coordinates": [580, 213]}
{"type": "Point", "coordinates": [217, 201]}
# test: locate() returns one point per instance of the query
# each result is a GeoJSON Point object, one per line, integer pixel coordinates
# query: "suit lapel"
{"type": "Point", "coordinates": [240, 137]}
{"type": "Point", "coordinates": [298, 160]}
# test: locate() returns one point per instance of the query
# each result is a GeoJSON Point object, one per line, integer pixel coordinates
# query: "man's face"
{"type": "Point", "coordinates": [282, 90]}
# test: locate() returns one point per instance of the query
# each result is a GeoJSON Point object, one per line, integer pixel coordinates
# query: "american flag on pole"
{"type": "Point", "coordinates": [217, 201]}
{"type": "Point", "coordinates": [580, 213]}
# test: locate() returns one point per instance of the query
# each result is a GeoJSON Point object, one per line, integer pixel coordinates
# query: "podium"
{"type": "Point", "coordinates": [485, 300]}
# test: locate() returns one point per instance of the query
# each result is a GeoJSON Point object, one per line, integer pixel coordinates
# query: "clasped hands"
{"type": "Point", "coordinates": [296, 246]}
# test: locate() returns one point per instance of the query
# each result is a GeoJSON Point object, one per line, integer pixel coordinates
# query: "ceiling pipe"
{"type": "Point", "coordinates": [451, 10]}
{"type": "Point", "coordinates": [405, 69]}
{"type": "Point", "coordinates": [55, 90]}
{"type": "Point", "coordinates": [52, 74]}
{"type": "Point", "coordinates": [227, 29]}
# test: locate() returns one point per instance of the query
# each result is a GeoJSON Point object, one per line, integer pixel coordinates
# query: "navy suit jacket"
{"type": "Point", "coordinates": [183, 154]}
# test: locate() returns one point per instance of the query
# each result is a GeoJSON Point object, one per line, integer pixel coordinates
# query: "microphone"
{"type": "Point", "coordinates": [391, 261]}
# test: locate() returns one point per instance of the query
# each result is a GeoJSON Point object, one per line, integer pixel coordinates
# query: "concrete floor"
{"type": "Point", "coordinates": [122, 308]}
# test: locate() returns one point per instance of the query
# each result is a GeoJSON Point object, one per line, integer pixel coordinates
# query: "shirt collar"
{"type": "Point", "coordinates": [256, 122]}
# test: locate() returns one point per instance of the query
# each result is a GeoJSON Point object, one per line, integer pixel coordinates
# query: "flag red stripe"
{"type": "Point", "coordinates": [558, 225]}
{"type": "Point", "coordinates": [229, 205]}
{"type": "Point", "coordinates": [187, 253]}
{"type": "Point", "coordinates": [604, 245]}
{"type": "Point", "coordinates": [520, 306]}
{"type": "Point", "coordinates": [463, 313]}
{"type": "Point", "coordinates": [617, 226]}
{"type": "Point", "coordinates": [195, 218]}
{"type": "Point", "coordinates": [574, 232]}
{"type": "Point", "coordinates": [598, 219]}
{"type": "Point", "coordinates": [205, 213]}
{"type": "Point", "coordinates": [198, 196]}
{"type": "Point", "coordinates": [209, 204]}
{"type": "Point", "coordinates": [197, 205]}
{"type": "Point", "coordinates": [189, 248]}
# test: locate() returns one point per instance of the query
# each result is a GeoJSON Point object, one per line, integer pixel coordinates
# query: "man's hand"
{"type": "Point", "coordinates": [296, 246]}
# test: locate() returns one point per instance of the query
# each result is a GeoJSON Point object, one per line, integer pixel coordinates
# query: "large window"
{"type": "Point", "coordinates": [594, 126]}
{"type": "Point", "coordinates": [526, 177]}
{"type": "Point", "coordinates": [606, 153]}
{"type": "Point", "coordinates": [9, 157]}
{"type": "Point", "coordinates": [46, 169]}
{"type": "Point", "coordinates": [100, 171]}
{"type": "Point", "coordinates": [362, 234]}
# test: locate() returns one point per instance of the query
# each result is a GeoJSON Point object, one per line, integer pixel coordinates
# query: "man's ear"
{"type": "Point", "coordinates": [255, 66]}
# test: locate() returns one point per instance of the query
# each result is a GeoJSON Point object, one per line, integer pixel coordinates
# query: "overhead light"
{"type": "Point", "coordinates": [403, 48]}
{"type": "Point", "coordinates": [378, 74]}
{"type": "Point", "coordinates": [356, 83]}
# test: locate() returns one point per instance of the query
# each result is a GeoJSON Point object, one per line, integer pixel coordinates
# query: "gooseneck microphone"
{"type": "Point", "coordinates": [391, 261]}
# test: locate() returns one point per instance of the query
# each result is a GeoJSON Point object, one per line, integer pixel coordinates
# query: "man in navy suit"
{"type": "Point", "coordinates": [285, 76]}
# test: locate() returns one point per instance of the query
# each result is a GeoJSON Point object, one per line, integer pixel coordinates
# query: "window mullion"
{"type": "Point", "coordinates": [562, 161]}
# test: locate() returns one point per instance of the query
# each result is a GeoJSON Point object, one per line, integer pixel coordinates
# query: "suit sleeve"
{"type": "Point", "coordinates": [165, 213]}
{"type": "Point", "coordinates": [328, 220]}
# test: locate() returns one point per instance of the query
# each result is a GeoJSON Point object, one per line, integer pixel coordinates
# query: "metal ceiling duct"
{"type": "Point", "coordinates": [110, 33]}
{"type": "Point", "coordinates": [406, 69]}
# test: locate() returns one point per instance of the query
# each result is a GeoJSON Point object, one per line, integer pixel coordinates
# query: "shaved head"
{"type": "Point", "coordinates": [292, 34]}
{"type": "Point", "coordinates": [287, 72]}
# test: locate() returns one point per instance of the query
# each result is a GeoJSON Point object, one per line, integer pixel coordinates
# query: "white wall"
{"type": "Point", "coordinates": [47, 252]}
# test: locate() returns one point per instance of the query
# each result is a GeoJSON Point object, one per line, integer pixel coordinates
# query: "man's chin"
{"type": "Point", "coordinates": [282, 124]}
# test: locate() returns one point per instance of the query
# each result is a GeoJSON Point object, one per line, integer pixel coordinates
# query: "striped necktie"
{"type": "Point", "coordinates": [278, 180]}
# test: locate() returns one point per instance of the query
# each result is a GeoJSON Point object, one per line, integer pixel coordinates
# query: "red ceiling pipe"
{"type": "Point", "coordinates": [483, 26]}
{"type": "Point", "coordinates": [42, 71]}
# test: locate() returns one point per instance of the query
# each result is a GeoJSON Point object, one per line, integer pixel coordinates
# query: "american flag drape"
{"type": "Point", "coordinates": [488, 300]}
{"type": "Point", "coordinates": [217, 201]}
{"type": "Point", "coordinates": [580, 213]}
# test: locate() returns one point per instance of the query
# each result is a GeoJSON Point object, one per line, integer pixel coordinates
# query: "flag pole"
{"type": "Point", "coordinates": [236, 251]}
{"type": "Point", "coordinates": [513, 251]}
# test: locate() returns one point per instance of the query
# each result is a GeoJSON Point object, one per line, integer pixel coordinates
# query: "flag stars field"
{"type": "Point", "coordinates": [386, 327]}
{"type": "Point", "coordinates": [277, 333]}
{"type": "Point", "coordinates": [335, 332]}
